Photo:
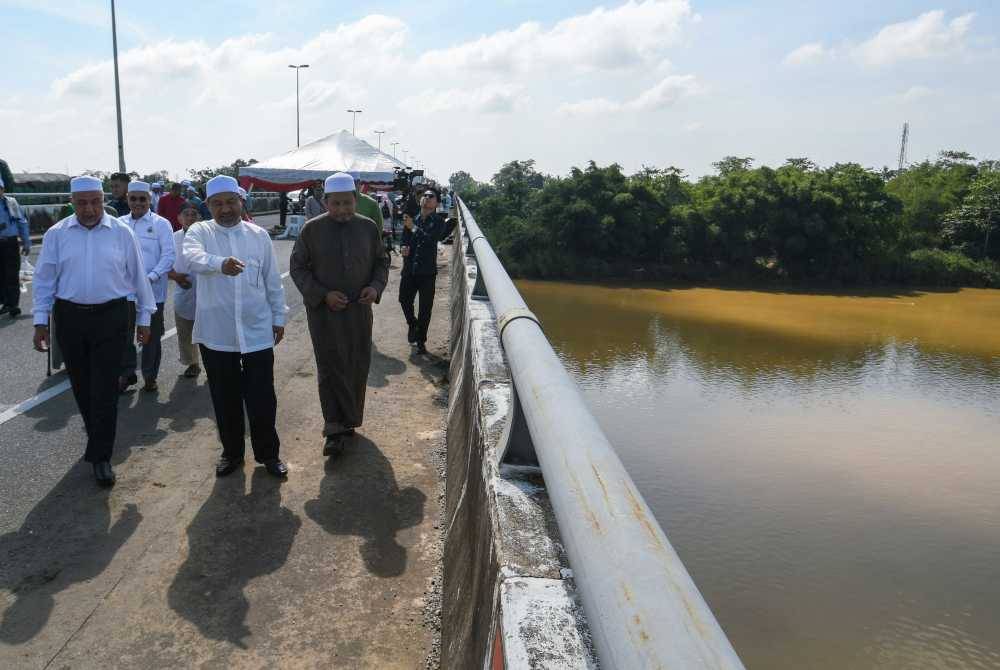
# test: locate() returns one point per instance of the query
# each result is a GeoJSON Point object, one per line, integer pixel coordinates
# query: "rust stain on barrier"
{"type": "Point", "coordinates": [640, 514]}
{"type": "Point", "coordinates": [584, 503]}
{"type": "Point", "coordinates": [600, 480]}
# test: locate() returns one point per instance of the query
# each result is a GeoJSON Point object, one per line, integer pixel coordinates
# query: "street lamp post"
{"type": "Point", "coordinates": [297, 68]}
{"type": "Point", "coordinates": [394, 145]}
{"type": "Point", "coordinates": [118, 95]}
{"type": "Point", "coordinates": [380, 133]}
{"type": "Point", "coordinates": [354, 120]}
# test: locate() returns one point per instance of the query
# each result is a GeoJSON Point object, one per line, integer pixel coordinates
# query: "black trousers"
{"type": "Point", "coordinates": [152, 353]}
{"type": "Point", "coordinates": [92, 338]}
{"type": "Point", "coordinates": [10, 270]}
{"type": "Point", "coordinates": [235, 380]}
{"type": "Point", "coordinates": [409, 287]}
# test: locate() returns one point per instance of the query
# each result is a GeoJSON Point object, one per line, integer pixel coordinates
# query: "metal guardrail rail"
{"type": "Point", "coordinates": [643, 609]}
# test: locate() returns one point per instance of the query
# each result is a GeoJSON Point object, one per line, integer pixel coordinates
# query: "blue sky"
{"type": "Point", "coordinates": [653, 82]}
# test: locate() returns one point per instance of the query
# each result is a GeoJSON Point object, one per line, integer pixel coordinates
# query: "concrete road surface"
{"type": "Point", "coordinates": [335, 568]}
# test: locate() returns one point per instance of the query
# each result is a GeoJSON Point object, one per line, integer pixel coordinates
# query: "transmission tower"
{"type": "Point", "coordinates": [902, 146]}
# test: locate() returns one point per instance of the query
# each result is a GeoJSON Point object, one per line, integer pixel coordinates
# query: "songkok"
{"type": "Point", "coordinates": [138, 187]}
{"type": "Point", "coordinates": [340, 182]}
{"type": "Point", "coordinates": [83, 184]}
{"type": "Point", "coordinates": [221, 184]}
{"type": "Point", "coordinates": [157, 185]}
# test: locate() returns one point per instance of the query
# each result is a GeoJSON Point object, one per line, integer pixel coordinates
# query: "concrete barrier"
{"type": "Point", "coordinates": [509, 599]}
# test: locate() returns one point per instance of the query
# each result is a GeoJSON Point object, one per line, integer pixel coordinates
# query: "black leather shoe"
{"type": "Point", "coordinates": [421, 349]}
{"type": "Point", "coordinates": [104, 475]}
{"type": "Point", "coordinates": [227, 466]}
{"type": "Point", "coordinates": [411, 334]}
{"type": "Point", "coordinates": [334, 446]}
{"type": "Point", "coordinates": [4, 309]}
{"type": "Point", "coordinates": [276, 468]}
{"type": "Point", "coordinates": [15, 312]}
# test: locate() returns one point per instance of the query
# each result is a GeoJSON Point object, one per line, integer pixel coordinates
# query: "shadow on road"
{"type": "Point", "coordinates": [69, 537]}
{"type": "Point", "coordinates": [360, 496]}
{"type": "Point", "coordinates": [383, 367]}
{"type": "Point", "coordinates": [435, 370]}
{"type": "Point", "coordinates": [234, 538]}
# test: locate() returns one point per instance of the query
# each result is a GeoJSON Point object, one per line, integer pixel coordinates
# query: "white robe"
{"type": "Point", "coordinates": [235, 313]}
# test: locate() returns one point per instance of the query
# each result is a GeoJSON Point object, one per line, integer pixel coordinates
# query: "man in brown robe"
{"type": "Point", "coordinates": [340, 266]}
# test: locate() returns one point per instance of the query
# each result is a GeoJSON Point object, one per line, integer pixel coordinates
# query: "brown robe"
{"type": "Point", "coordinates": [346, 257]}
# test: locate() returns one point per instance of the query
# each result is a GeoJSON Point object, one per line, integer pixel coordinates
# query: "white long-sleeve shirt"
{"type": "Point", "coordinates": [90, 267]}
{"type": "Point", "coordinates": [156, 241]}
{"type": "Point", "coordinates": [235, 313]}
{"type": "Point", "coordinates": [185, 300]}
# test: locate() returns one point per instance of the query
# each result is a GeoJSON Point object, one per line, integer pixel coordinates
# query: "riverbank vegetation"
{"type": "Point", "coordinates": [934, 223]}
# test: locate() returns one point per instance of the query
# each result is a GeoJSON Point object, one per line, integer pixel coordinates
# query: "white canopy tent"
{"type": "Point", "coordinates": [301, 167]}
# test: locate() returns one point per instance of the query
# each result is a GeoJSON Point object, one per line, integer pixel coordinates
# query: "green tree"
{"type": "Point", "coordinates": [199, 177]}
{"type": "Point", "coordinates": [972, 227]}
{"type": "Point", "coordinates": [462, 182]}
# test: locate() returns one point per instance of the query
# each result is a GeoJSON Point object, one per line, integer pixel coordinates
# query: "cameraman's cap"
{"type": "Point", "coordinates": [138, 187]}
{"type": "Point", "coordinates": [431, 192]}
{"type": "Point", "coordinates": [341, 182]}
{"type": "Point", "coordinates": [221, 184]}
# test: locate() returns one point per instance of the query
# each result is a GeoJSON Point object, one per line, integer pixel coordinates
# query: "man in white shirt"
{"type": "Point", "coordinates": [185, 297]}
{"type": "Point", "coordinates": [90, 263]}
{"type": "Point", "coordinates": [156, 190]}
{"type": "Point", "coordinates": [239, 318]}
{"type": "Point", "coordinates": [314, 203]}
{"type": "Point", "coordinates": [156, 241]}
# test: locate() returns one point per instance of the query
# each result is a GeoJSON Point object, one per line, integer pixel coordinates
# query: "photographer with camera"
{"type": "Point", "coordinates": [418, 247]}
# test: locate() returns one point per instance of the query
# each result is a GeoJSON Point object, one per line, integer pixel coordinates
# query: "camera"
{"type": "Point", "coordinates": [402, 181]}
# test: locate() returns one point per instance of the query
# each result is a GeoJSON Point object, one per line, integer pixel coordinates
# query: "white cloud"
{"type": "Point", "coordinates": [694, 127]}
{"type": "Point", "coordinates": [488, 99]}
{"type": "Point", "coordinates": [630, 35]}
{"type": "Point", "coordinates": [927, 36]}
{"type": "Point", "coordinates": [807, 54]}
{"type": "Point", "coordinates": [915, 93]}
{"type": "Point", "coordinates": [664, 94]}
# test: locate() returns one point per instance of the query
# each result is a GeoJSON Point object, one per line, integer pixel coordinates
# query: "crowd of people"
{"type": "Point", "coordinates": [104, 272]}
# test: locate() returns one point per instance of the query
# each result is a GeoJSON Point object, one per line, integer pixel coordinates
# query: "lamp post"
{"type": "Point", "coordinates": [354, 120]}
{"type": "Point", "coordinates": [297, 68]}
{"type": "Point", "coordinates": [393, 145]}
{"type": "Point", "coordinates": [380, 133]}
{"type": "Point", "coordinates": [118, 95]}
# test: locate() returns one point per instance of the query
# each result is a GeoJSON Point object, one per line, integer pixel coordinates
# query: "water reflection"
{"type": "Point", "coordinates": [825, 465]}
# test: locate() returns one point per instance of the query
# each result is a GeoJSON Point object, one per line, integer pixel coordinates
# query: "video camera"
{"type": "Point", "coordinates": [402, 181]}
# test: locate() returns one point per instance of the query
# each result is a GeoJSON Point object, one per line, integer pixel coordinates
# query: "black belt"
{"type": "Point", "coordinates": [90, 308]}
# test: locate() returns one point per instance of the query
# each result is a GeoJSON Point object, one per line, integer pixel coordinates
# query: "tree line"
{"type": "Point", "coordinates": [933, 223]}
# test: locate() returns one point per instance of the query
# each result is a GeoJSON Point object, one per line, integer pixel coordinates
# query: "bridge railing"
{"type": "Point", "coordinates": [642, 607]}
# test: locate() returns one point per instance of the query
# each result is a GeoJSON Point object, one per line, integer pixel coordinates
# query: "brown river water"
{"type": "Point", "coordinates": [826, 465]}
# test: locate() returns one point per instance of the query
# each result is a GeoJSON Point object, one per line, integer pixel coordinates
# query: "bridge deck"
{"type": "Point", "coordinates": [337, 567]}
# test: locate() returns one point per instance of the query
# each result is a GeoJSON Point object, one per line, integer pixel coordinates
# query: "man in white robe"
{"type": "Point", "coordinates": [156, 241]}
{"type": "Point", "coordinates": [239, 318]}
